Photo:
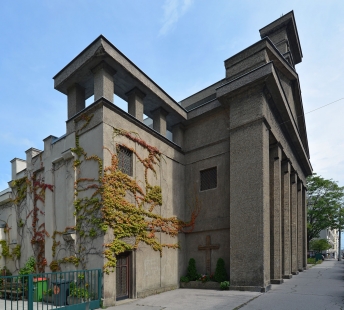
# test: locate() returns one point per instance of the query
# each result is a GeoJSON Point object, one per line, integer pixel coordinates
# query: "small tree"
{"type": "Point", "coordinates": [319, 245]}
{"type": "Point", "coordinates": [324, 204]}
{"type": "Point", "coordinates": [192, 270]}
{"type": "Point", "coordinates": [220, 271]}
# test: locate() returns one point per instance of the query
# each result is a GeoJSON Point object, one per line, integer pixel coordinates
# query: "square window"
{"type": "Point", "coordinates": [125, 160]}
{"type": "Point", "coordinates": [209, 178]}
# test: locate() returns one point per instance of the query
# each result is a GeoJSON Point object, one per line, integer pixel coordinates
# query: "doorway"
{"type": "Point", "coordinates": [122, 276]}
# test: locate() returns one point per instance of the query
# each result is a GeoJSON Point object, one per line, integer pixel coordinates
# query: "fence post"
{"type": "Point", "coordinates": [100, 286]}
{"type": "Point", "coordinates": [30, 292]}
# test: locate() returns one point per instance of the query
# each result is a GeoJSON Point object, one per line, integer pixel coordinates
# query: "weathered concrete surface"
{"type": "Point", "coordinates": [320, 287]}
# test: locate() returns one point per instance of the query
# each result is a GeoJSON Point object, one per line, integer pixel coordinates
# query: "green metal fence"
{"type": "Point", "coordinates": [72, 290]}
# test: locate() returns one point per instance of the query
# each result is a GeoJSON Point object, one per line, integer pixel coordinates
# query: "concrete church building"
{"type": "Point", "coordinates": [237, 153]}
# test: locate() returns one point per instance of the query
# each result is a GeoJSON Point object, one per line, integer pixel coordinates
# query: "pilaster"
{"type": "Point", "coordinates": [275, 215]}
{"type": "Point", "coordinates": [286, 242]}
{"type": "Point", "coordinates": [300, 248]}
{"type": "Point", "coordinates": [109, 289]}
{"type": "Point", "coordinates": [3, 237]}
{"type": "Point", "coordinates": [178, 134]}
{"type": "Point", "coordinates": [304, 227]}
{"type": "Point", "coordinates": [159, 121]}
{"type": "Point", "coordinates": [293, 217]}
{"type": "Point", "coordinates": [135, 103]}
{"type": "Point", "coordinates": [103, 81]}
{"type": "Point", "coordinates": [250, 207]}
{"type": "Point", "coordinates": [49, 215]}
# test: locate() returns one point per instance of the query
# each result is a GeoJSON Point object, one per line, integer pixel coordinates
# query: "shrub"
{"type": "Point", "coordinates": [79, 292]}
{"type": "Point", "coordinates": [220, 271]}
{"type": "Point", "coordinates": [224, 285]}
{"type": "Point", "coordinates": [72, 285]}
{"type": "Point", "coordinates": [311, 260]}
{"type": "Point", "coordinates": [184, 279]}
{"type": "Point", "coordinates": [192, 271]}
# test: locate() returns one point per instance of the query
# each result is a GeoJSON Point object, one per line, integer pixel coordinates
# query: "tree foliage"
{"type": "Point", "coordinates": [319, 245]}
{"type": "Point", "coordinates": [324, 202]}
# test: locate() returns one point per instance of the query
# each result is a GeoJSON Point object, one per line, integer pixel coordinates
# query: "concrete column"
{"type": "Point", "coordinates": [293, 222]}
{"type": "Point", "coordinates": [250, 207]}
{"type": "Point", "coordinates": [159, 121]}
{"type": "Point", "coordinates": [17, 166]}
{"type": "Point", "coordinates": [275, 215]}
{"type": "Point", "coordinates": [75, 99]}
{"type": "Point", "coordinates": [135, 103]}
{"type": "Point", "coordinates": [178, 134]}
{"type": "Point", "coordinates": [103, 81]}
{"type": "Point", "coordinates": [286, 251]}
{"type": "Point", "coordinates": [300, 248]}
{"type": "Point", "coordinates": [304, 227]}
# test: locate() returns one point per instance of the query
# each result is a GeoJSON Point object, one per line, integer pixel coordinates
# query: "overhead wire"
{"type": "Point", "coordinates": [324, 106]}
{"type": "Point", "coordinates": [313, 110]}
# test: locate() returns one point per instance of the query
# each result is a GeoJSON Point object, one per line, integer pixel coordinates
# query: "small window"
{"type": "Point", "coordinates": [125, 160]}
{"type": "Point", "coordinates": [208, 179]}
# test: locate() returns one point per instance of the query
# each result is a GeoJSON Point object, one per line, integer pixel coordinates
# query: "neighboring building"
{"type": "Point", "coordinates": [235, 170]}
{"type": "Point", "coordinates": [331, 235]}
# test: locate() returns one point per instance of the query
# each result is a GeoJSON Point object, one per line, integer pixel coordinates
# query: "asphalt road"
{"type": "Point", "coordinates": [319, 288]}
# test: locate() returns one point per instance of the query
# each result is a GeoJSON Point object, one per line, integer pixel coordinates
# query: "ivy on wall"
{"type": "Point", "coordinates": [35, 188]}
{"type": "Point", "coordinates": [102, 206]}
{"type": "Point", "coordinates": [39, 231]}
{"type": "Point", "coordinates": [138, 220]}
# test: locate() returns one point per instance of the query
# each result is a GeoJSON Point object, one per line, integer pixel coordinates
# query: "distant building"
{"type": "Point", "coordinates": [331, 235]}
{"type": "Point", "coordinates": [239, 152]}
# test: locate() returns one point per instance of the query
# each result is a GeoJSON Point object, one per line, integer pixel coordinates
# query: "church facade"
{"type": "Point", "coordinates": [221, 174]}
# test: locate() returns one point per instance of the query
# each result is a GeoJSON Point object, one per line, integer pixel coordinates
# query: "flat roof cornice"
{"type": "Point", "coordinates": [127, 76]}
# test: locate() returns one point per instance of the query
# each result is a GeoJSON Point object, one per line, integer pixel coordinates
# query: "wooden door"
{"type": "Point", "coordinates": [122, 276]}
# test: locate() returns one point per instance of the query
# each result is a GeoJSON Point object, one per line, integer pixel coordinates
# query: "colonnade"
{"type": "Point", "coordinates": [104, 87]}
{"type": "Point", "coordinates": [288, 222]}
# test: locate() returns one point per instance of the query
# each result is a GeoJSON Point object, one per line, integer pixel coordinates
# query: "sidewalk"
{"type": "Point", "coordinates": [321, 287]}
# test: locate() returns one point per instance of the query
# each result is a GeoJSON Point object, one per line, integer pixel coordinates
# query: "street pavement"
{"type": "Point", "coordinates": [319, 288]}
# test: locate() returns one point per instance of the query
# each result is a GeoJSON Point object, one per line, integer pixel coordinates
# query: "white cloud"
{"type": "Point", "coordinates": [173, 10]}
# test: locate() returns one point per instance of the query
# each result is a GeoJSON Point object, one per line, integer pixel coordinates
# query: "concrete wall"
{"type": "Point", "coordinates": [207, 146]}
{"type": "Point", "coordinates": [152, 271]}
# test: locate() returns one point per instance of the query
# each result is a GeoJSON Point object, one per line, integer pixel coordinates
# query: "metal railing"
{"type": "Point", "coordinates": [72, 290]}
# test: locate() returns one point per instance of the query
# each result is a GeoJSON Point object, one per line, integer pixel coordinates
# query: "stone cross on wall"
{"type": "Point", "coordinates": [208, 247]}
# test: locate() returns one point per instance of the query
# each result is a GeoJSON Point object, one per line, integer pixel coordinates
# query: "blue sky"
{"type": "Point", "coordinates": [180, 44]}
